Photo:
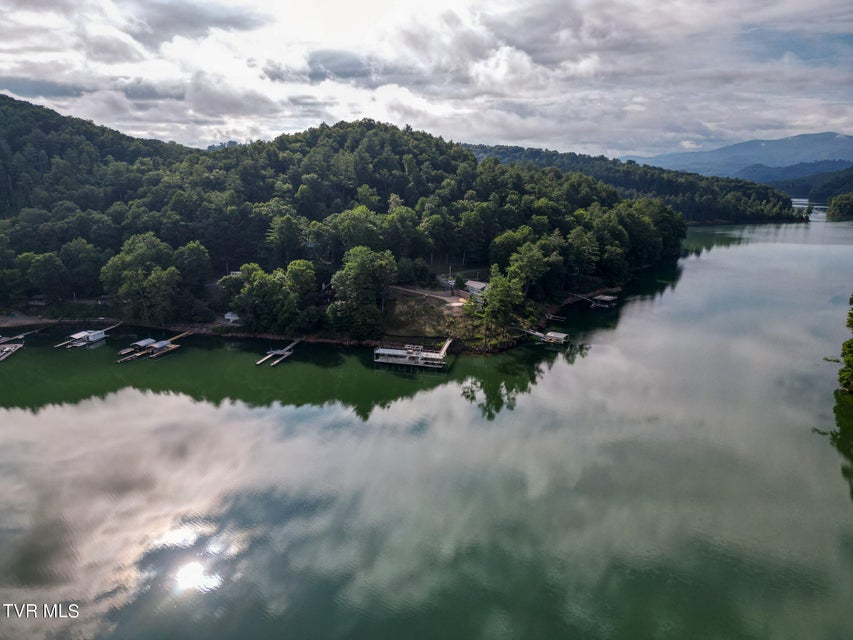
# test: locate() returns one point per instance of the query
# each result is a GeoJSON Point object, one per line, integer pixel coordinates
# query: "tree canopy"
{"type": "Point", "coordinates": [315, 225]}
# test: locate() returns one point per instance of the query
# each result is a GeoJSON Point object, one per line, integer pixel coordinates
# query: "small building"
{"type": "Point", "coordinates": [232, 318]}
{"type": "Point", "coordinates": [475, 287]}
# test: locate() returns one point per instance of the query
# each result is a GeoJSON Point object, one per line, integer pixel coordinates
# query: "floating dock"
{"type": "Point", "coordinates": [282, 354]}
{"type": "Point", "coordinates": [551, 337]}
{"type": "Point", "coordinates": [20, 337]}
{"type": "Point", "coordinates": [598, 302]}
{"type": "Point", "coordinates": [137, 346]}
{"type": "Point", "coordinates": [603, 302]}
{"type": "Point", "coordinates": [8, 348]}
{"type": "Point", "coordinates": [85, 338]}
{"type": "Point", "coordinates": [150, 348]}
{"type": "Point", "coordinates": [162, 348]}
{"type": "Point", "coordinates": [412, 355]}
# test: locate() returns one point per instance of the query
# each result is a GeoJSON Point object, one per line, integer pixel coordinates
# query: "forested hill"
{"type": "Point", "coordinates": [46, 158]}
{"type": "Point", "coordinates": [699, 198]}
{"type": "Point", "coordinates": [359, 205]}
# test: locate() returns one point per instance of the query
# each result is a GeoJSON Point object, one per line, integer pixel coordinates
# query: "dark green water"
{"type": "Point", "coordinates": [675, 476]}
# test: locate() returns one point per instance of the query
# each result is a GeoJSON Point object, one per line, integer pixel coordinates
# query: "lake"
{"type": "Point", "coordinates": [672, 474]}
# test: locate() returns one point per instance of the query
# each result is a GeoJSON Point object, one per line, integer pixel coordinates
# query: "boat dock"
{"type": "Point", "coordinates": [551, 337]}
{"type": "Point", "coordinates": [137, 346]}
{"type": "Point", "coordinates": [20, 336]}
{"type": "Point", "coordinates": [150, 348]}
{"type": "Point", "coordinates": [8, 348]}
{"type": "Point", "coordinates": [282, 354]}
{"type": "Point", "coordinates": [412, 355]}
{"type": "Point", "coordinates": [603, 302]}
{"type": "Point", "coordinates": [595, 302]}
{"type": "Point", "coordinates": [85, 338]}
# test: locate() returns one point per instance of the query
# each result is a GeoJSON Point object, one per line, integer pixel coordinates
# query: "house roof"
{"type": "Point", "coordinates": [476, 284]}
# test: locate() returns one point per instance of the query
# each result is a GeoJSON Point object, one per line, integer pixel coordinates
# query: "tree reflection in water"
{"type": "Point", "coordinates": [842, 436]}
{"type": "Point", "coordinates": [494, 393]}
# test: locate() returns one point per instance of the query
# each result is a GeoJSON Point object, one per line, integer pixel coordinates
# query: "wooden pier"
{"type": "Point", "coordinates": [20, 336]}
{"type": "Point", "coordinates": [282, 354]}
{"type": "Point", "coordinates": [412, 355]}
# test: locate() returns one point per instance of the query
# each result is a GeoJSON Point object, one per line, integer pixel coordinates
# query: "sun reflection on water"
{"type": "Point", "coordinates": [192, 576]}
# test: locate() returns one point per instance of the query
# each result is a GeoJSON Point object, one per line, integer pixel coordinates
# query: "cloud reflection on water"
{"type": "Point", "coordinates": [668, 485]}
{"type": "Point", "coordinates": [376, 520]}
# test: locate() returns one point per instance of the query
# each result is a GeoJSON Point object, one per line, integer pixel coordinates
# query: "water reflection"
{"type": "Point", "coordinates": [493, 394]}
{"type": "Point", "coordinates": [231, 521]}
{"type": "Point", "coordinates": [663, 483]}
{"type": "Point", "coordinates": [842, 436]}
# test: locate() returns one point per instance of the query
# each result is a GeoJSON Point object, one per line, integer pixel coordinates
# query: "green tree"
{"type": "Point", "coordinates": [160, 291]}
{"type": "Point", "coordinates": [83, 262]}
{"type": "Point", "coordinates": [527, 265]}
{"type": "Point", "coordinates": [47, 274]}
{"type": "Point", "coordinates": [193, 262]}
{"type": "Point", "coordinates": [139, 252]}
{"type": "Point", "coordinates": [301, 280]}
{"type": "Point", "coordinates": [499, 299]}
{"type": "Point", "coordinates": [266, 304]}
{"type": "Point", "coordinates": [840, 207]}
{"type": "Point", "coordinates": [361, 288]}
{"type": "Point", "coordinates": [286, 239]}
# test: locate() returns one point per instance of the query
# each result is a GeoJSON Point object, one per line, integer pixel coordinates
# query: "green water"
{"type": "Point", "coordinates": [682, 471]}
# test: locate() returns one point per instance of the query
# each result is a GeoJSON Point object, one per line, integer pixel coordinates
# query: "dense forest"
{"type": "Point", "coordinates": [310, 229]}
{"type": "Point", "coordinates": [821, 187]}
{"type": "Point", "coordinates": [840, 207]}
{"type": "Point", "coordinates": [699, 198]}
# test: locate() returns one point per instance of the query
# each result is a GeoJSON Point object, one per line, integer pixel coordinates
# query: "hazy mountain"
{"type": "Point", "coordinates": [729, 161]}
{"type": "Point", "coordinates": [767, 175]}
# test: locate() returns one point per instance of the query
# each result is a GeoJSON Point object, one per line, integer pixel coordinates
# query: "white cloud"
{"type": "Point", "coordinates": [710, 73]}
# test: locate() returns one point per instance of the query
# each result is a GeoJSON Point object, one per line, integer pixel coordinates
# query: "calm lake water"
{"type": "Point", "coordinates": [669, 476]}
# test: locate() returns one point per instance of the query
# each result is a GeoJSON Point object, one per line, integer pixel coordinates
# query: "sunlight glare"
{"type": "Point", "coordinates": [192, 576]}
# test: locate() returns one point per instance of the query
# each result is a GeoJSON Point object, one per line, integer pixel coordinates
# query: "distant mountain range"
{"type": "Point", "coordinates": [768, 175]}
{"type": "Point", "coordinates": [734, 160]}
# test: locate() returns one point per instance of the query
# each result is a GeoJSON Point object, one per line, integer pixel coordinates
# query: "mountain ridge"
{"type": "Point", "coordinates": [727, 161]}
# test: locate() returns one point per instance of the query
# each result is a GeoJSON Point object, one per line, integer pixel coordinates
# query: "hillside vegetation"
{"type": "Point", "coordinates": [699, 198]}
{"type": "Point", "coordinates": [315, 226]}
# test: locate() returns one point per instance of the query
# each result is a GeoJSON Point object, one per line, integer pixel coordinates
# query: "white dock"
{"type": "Point", "coordinates": [282, 354]}
{"type": "Point", "coordinates": [20, 336]}
{"type": "Point", "coordinates": [150, 348]}
{"type": "Point", "coordinates": [412, 355]}
{"type": "Point", "coordinates": [8, 348]}
{"type": "Point", "coordinates": [137, 346]}
{"type": "Point", "coordinates": [85, 338]}
{"type": "Point", "coordinates": [551, 337]}
{"type": "Point", "coordinates": [603, 302]}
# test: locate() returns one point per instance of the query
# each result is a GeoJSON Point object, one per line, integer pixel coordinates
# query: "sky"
{"type": "Point", "coordinates": [609, 77]}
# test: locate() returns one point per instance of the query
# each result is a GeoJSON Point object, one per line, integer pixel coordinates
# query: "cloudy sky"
{"type": "Point", "coordinates": [596, 76]}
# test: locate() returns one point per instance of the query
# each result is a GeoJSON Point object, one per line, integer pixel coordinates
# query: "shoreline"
{"type": "Point", "coordinates": [20, 320]}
